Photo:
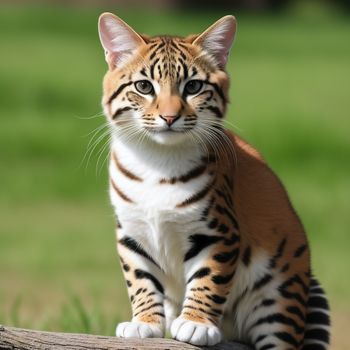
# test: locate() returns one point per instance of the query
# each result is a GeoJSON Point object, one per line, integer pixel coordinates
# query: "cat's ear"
{"type": "Point", "coordinates": [218, 38]}
{"type": "Point", "coordinates": [117, 38]}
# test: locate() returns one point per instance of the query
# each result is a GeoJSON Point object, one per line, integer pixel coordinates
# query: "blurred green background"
{"type": "Point", "coordinates": [290, 97]}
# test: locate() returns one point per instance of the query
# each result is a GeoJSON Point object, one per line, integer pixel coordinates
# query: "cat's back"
{"type": "Point", "coordinates": [262, 204]}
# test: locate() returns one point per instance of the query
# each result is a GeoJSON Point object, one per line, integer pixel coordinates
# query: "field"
{"type": "Point", "coordinates": [289, 97]}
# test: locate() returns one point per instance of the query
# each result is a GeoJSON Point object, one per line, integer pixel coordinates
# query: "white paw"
{"type": "Point", "coordinates": [195, 333]}
{"type": "Point", "coordinates": [138, 330]}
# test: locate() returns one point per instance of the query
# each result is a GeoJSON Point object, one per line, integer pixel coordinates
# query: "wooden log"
{"type": "Point", "coordinates": [26, 339]}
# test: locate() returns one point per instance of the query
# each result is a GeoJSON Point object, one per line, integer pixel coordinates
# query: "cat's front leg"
{"type": "Point", "coordinates": [209, 280]}
{"type": "Point", "coordinates": [146, 292]}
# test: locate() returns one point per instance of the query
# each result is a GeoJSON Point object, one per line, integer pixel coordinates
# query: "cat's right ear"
{"type": "Point", "coordinates": [117, 38]}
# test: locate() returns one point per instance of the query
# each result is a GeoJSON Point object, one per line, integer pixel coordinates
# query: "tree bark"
{"type": "Point", "coordinates": [26, 339]}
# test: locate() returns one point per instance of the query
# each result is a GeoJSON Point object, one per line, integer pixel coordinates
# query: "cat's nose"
{"type": "Point", "coordinates": [170, 119]}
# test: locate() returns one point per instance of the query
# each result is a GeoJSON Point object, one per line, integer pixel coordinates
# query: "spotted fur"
{"type": "Point", "coordinates": [209, 242]}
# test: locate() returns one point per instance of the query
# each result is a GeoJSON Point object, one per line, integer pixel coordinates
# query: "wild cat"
{"type": "Point", "coordinates": [210, 245]}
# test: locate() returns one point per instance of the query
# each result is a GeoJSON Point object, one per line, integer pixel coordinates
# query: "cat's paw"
{"type": "Point", "coordinates": [195, 333]}
{"type": "Point", "coordinates": [139, 330]}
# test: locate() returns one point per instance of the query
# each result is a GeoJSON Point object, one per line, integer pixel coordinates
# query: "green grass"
{"type": "Point", "coordinates": [58, 265]}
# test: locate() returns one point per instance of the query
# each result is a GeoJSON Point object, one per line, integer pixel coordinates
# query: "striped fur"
{"type": "Point", "coordinates": [209, 243]}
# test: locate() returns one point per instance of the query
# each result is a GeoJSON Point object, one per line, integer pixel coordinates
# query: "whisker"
{"type": "Point", "coordinates": [94, 145]}
{"type": "Point", "coordinates": [93, 140]}
{"type": "Point", "coordinates": [97, 115]}
{"type": "Point", "coordinates": [101, 151]}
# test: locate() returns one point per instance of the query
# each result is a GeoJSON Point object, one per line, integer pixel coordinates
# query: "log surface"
{"type": "Point", "coordinates": [26, 339]}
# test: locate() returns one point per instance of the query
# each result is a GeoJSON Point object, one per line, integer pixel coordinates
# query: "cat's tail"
{"type": "Point", "coordinates": [317, 329]}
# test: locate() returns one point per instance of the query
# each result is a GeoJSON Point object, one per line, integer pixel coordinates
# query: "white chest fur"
{"type": "Point", "coordinates": [151, 216]}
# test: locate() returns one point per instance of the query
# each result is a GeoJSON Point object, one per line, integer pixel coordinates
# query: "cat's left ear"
{"type": "Point", "coordinates": [218, 38]}
{"type": "Point", "coordinates": [117, 38]}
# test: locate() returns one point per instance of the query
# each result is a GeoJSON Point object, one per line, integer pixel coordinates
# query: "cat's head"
{"type": "Point", "coordinates": [165, 89]}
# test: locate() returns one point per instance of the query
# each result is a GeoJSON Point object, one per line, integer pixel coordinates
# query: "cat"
{"type": "Point", "coordinates": [210, 245]}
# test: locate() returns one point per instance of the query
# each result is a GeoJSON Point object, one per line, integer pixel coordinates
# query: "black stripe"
{"type": "Point", "coordinates": [209, 158]}
{"type": "Point", "coordinates": [316, 290]}
{"type": "Point", "coordinates": [197, 196]}
{"type": "Point", "coordinates": [280, 318]}
{"type": "Point", "coordinates": [152, 67]}
{"type": "Point", "coordinates": [225, 211]}
{"type": "Point", "coordinates": [217, 89]}
{"type": "Point", "coordinates": [123, 170]}
{"type": "Point", "coordinates": [263, 281]}
{"type": "Point", "coordinates": [227, 256]}
{"type": "Point", "coordinates": [200, 242]}
{"type": "Point", "coordinates": [218, 279]}
{"type": "Point", "coordinates": [120, 111]}
{"type": "Point", "coordinates": [192, 174]}
{"type": "Point", "coordinates": [136, 247]}
{"type": "Point", "coordinates": [184, 67]}
{"type": "Point", "coordinates": [296, 311]}
{"type": "Point", "coordinates": [314, 283]}
{"type": "Point", "coordinates": [246, 256]}
{"type": "Point", "coordinates": [118, 91]}
{"type": "Point", "coordinates": [195, 300]}
{"type": "Point", "coordinates": [207, 312]}
{"type": "Point", "coordinates": [153, 54]}
{"type": "Point", "coordinates": [300, 251]}
{"type": "Point", "coordinates": [141, 274]}
{"type": "Point", "coordinates": [139, 291]}
{"type": "Point", "coordinates": [226, 198]}
{"type": "Point", "coordinates": [216, 111]}
{"type": "Point", "coordinates": [295, 279]}
{"type": "Point", "coordinates": [260, 338]}
{"type": "Point", "coordinates": [137, 306]}
{"type": "Point", "coordinates": [231, 241]}
{"type": "Point", "coordinates": [120, 193]}
{"type": "Point", "coordinates": [160, 72]}
{"type": "Point", "coordinates": [279, 253]}
{"type": "Point", "coordinates": [295, 296]}
{"type": "Point", "coordinates": [205, 271]}
{"type": "Point", "coordinates": [194, 72]}
{"type": "Point", "coordinates": [315, 287]}
{"type": "Point", "coordinates": [207, 209]}
{"type": "Point", "coordinates": [143, 72]}
{"type": "Point", "coordinates": [126, 267]}
{"type": "Point", "coordinates": [213, 223]}
{"type": "Point", "coordinates": [318, 301]}
{"type": "Point", "coordinates": [148, 308]}
{"type": "Point", "coordinates": [285, 268]}
{"type": "Point", "coordinates": [317, 318]}
{"type": "Point", "coordinates": [287, 338]}
{"type": "Point", "coordinates": [317, 334]}
{"type": "Point", "coordinates": [268, 302]}
{"type": "Point", "coordinates": [182, 54]}
{"type": "Point", "coordinates": [223, 228]}
{"type": "Point", "coordinates": [217, 299]}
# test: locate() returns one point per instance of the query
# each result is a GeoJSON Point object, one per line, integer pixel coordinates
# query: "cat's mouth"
{"type": "Point", "coordinates": [162, 131]}
{"type": "Point", "coordinates": [169, 130]}
{"type": "Point", "coordinates": [168, 136]}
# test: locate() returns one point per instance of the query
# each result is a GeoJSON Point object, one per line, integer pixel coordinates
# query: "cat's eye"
{"type": "Point", "coordinates": [144, 87]}
{"type": "Point", "coordinates": [193, 86]}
